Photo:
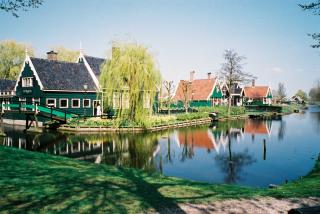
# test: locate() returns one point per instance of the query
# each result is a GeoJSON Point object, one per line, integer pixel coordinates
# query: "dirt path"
{"type": "Point", "coordinates": [259, 205]}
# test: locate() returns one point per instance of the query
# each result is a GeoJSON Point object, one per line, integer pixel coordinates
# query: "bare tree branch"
{"type": "Point", "coordinates": [14, 6]}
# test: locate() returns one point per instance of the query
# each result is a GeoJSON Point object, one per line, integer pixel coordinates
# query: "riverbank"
{"type": "Point", "coordinates": [163, 122]}
{"type": "Point", "coordinates": [33, 182]}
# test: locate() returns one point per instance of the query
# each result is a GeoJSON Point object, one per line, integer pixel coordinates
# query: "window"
{"type": "Point", "coordinates": [23, 103]}
{"type": "Point", "coordinates": [125, 100]}
{"type": "Point", "coordinates": [116, 100]}
{"type": "Point", "coordinates": [36, 100]}
{"type": "Point", "coordinates": [27, 82]}
{"type": "Point", "coordinates": [51, 102]}
{"type": "Point", "coordinates": [146, 100]}
{"type": "Point", "coordinates": [75, 103]}
{"type": "Point", "coordinates": [86, 103]}
{"type": "Point", "coordinates": [63, 103]}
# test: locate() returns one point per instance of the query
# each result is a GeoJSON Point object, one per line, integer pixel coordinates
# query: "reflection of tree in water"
{"type": "Point", "coordinates": [187, 149]}
{"type": "Point", "coordinates": [282, 130]}
{"type": "Point", "coordinates": [131, 151]}
{"type": "Point", "coordinates": [315, 118]}
{"type": "Point", "coordinates": [232, 163]}
{"type": "Point", "coordinates": [169, 154]}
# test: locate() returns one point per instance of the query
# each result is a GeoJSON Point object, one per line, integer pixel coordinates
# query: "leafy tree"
{"type": "Point", "coordinates": [281, 91]}
{"type": "Point", "coordinates": [232, 71]}
{"type": "Point", "coordinates": [12, 56]}
{"type": "Point", "coordinates": [66, 54]}
{"type": "Point", "coordinates": [303, 95]}
{"type": "Point", "coordinates": [14, 6]}
{"type": "Point", "coordinates": [131, 71]}
{"type": "Point", "coordinates": [315, 8]}
{"type": "Point", "coordinates": [315, 92]}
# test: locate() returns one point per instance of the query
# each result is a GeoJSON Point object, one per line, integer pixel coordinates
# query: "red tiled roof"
{"type": "Point", "coordinates": [256, 91]}
{"type": "Point", "coordinates": [199, 139]}
{"type": "Point", "coordinates": [255, 127]}
{"type": "Point", "coordinates": [199, 89]}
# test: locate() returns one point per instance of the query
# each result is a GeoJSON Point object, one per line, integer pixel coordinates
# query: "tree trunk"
{"type": "Point", "coordinates": [229, 105]}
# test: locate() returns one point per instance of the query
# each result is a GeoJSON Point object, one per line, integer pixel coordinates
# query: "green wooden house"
{"type": "Point", "coordinates": [198, 92]}
{"type": "Point", "coordinates": [71, 87]}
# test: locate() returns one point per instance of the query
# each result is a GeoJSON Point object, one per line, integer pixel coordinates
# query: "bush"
{"type": "Point", "coordinates": [223, 110]}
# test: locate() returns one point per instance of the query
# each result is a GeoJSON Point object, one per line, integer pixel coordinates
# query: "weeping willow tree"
{"type": "Point", "coordinates": [129, 81]}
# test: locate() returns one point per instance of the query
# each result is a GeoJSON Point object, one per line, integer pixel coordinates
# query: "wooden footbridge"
{"type": "Point", "coordinates": [33, 111]}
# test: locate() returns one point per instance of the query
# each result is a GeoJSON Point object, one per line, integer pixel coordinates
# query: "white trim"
{"type": "Point", "coordinates": [27, 59]}
{"type": "Point", "coordinates": [269, 89]}
{"type": "Point", "coordinates": [89, 106]}
{"type": "Point", "coordinates": [55, 102]}
{"type": "Point", "coordinates": [93, 76]}
{"type": "Point", "coordinates": [214, 85]}
{"type": "Point", "coordinates": [72, 106]}
{"type": "Point", "coordinates": [27, 82]}
{"type": "Point", "coordinates": [64, 99]}
{"type": "Point", "coordinates": [93, 108]}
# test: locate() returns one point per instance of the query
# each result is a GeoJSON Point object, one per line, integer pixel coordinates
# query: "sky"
{"type": "Point", "coordinates": [182, 35]}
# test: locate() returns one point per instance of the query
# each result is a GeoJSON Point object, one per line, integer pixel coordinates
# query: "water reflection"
{"type": "Point", "coordinates": [239, 151]}
{"type": "Point", "coordinates": [232, 163]}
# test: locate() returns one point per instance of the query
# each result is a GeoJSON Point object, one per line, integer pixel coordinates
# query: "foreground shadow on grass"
{"type": "Point", "coordinates": [34, 182]}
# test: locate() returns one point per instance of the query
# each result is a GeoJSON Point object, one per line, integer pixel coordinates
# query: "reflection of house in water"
{"type": "Point", "coordinates": [202, 138]}
{"type": "Point", "coordinates": [130, 151]}
{"type": "Point", "coordinates": [258, 127]}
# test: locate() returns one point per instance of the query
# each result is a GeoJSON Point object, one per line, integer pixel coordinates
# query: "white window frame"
{"type": "Point", "coordinates": [36, 100]}
{"type": "Point", "coordinates": [23, 101]}
{"type": "Point", "coordinates": [62, 100]}
{"type": "Point", "coordinates": [146, 100]}
{"type": "Point", "coordinates": [73, 105]}
{"type": "Point", "coordinates": [27, 81]}
{"type": "Point", "coordinates": [116, 100]}
{"type": "Point", "coordinates": [89, 106]}
{"type": "Point", "coordinates": [55, 102]}
{"type": "Point", "coordinates": [125, 100]}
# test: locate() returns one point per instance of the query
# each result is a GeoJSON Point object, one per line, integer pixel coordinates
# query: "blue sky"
{"type": "Point", "coordinates": [182, 35]}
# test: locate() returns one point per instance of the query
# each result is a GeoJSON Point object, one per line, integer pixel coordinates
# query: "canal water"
{"type": "Point", "coordinates": [248, 152]}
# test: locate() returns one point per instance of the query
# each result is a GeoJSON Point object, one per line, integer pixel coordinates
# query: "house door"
{"type": "Point", "coordinates": [95, 104]}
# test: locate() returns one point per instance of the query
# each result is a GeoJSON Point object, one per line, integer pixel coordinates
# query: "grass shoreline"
{"type": "Point", "coordinates": [33, 182]}
{"type": "Point", "coordinates": [156, 123]}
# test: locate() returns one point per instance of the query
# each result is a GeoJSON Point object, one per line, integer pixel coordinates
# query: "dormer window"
{"type": "Point", "coordinates": [27, 82]}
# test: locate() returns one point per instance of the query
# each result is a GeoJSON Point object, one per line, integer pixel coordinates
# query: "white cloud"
{"type": "Point", "coordinates": [277, 70]}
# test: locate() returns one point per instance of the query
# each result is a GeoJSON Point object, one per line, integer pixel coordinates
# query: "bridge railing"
{"type": "Point", "coordinates": [23, 106]}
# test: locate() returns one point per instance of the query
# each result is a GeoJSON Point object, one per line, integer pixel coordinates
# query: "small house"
{"type": "Point", "coordinates": [6, 91]}
{"type": "Point", "coordinates": [198, 92]}
{"type": "Point", "coordinates": [257, 95]}
{"type": "Point", "coordinates": [235, 91]}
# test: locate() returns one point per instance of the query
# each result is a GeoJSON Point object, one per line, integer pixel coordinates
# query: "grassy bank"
{"type": "Point", "coordinates": [31, 181]}
{"type": "Point", "coordinates": [171, 120]}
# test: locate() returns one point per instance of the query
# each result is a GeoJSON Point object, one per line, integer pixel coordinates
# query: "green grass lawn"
{"type": "Point", "coordinates": [33, 182]}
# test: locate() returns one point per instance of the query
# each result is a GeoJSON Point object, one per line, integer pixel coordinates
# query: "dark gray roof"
{"type": "Point", "coordinates": [235, 89]}
{"type": "Point", "coordinates": [58, 75]}
{"type": "Point", "coordinates": [7, 85]}
{"type": "Point", "coordinates": [95, 64]}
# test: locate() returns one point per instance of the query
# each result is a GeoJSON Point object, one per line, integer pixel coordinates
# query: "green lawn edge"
{"type": "Point", "coordinates": [33, 182]}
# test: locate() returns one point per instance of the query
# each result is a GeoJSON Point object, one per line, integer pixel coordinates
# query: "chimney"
{"type": "Point", "coordinates": [253, 83]}
{"type": "Point", "coordinates": [51, 55]}
{"type": "Point", "coordinates": [192, 73]}
{"type": "Point", "coordinates": [209, 75]}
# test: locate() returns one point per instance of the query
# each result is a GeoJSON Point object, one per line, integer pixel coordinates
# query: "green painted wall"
{"type": "Point", "coordinates": [28, 92]}
{"type": "Point", "coordinates": [217, 93]}
{"type": "Point", "coordinates": [74, 95]}
{"type": "Point", "coordinates": [36, 92]}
